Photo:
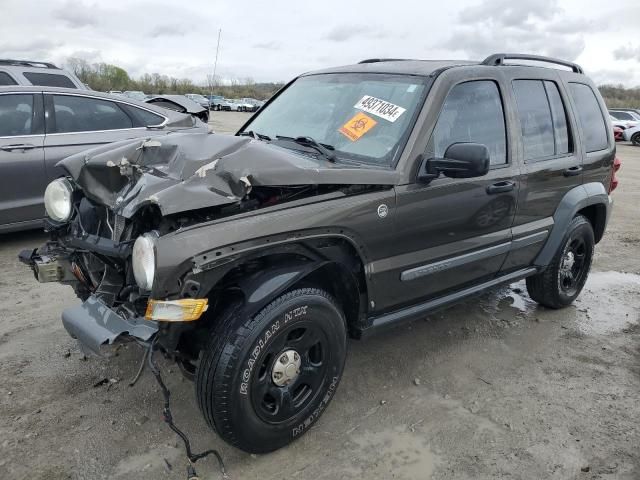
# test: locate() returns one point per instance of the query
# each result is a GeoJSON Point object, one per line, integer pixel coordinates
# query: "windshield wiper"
{"type": "Point", "coordinates": [324, 149]}
{"type": "Point", "coordinates": [257, 136]}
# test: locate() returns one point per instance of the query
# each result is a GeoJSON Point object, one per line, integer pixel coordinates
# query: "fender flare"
{"type": "Point", "coordinates": [574, 200]}
{"type": "Point", "coordinates": [260, 289]}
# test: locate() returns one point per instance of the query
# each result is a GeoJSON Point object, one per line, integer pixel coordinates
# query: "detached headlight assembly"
{"type": "Point", "coordinates": [143, 260]}
{"type": "Point", "coordinates": [57, 200]}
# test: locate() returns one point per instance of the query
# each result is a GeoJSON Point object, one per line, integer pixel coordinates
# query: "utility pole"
{"type": "Point", "coordinates": [215, 66]}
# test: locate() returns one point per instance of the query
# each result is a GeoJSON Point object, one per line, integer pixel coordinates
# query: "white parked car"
{"type": "Point", "coordinates": [632, 135]}
{"type": "Point", "coordinates": [623, 124]}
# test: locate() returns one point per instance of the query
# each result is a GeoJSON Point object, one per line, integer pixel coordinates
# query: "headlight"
{"type": "Point", "coordinates": [143, 259]}
{"type": "Point", "coordinates": [57, 200]}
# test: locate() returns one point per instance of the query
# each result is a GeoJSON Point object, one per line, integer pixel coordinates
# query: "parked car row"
{"type": "Point", "coordinates": [209, 102]}
{"type": "Point", "coordinates": [219, 103]}
{"type": "Point", "coordinates": [627, 122]}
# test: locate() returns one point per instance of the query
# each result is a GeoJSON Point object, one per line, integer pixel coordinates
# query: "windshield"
{"type": "Point", "coordinates": [198, 98]}
{"type": "Point", "coordinates": [365, 117]}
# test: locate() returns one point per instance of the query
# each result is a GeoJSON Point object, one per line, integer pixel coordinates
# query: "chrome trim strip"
{"type": "Point", "coordinates": [529, 240]}
{"type": "Point", "coordinates": [454, 262]}
{"type": "Point", "coordinates": [37, 135]}
{"type": "Point", "coordinates": [526, 228]}
{"type": "Point", "coordinates": [428, 255]}
{"type": "Point", "coordinates": [96, 131]}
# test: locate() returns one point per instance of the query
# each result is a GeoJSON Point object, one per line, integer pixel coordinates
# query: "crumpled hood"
{"type": "Point", "coordinates": [182, 172]}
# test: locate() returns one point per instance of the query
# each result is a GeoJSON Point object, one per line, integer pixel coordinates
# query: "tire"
{"type": "Point", "coordinates": [562, 281]}
{"type": "Point", "coordinates": [635, 139]}
{"type": "Point", "coordinates": [246, 383]}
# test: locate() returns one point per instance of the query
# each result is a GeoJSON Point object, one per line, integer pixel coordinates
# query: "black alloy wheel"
{"type": "Point", "coordinates": [562, 280]}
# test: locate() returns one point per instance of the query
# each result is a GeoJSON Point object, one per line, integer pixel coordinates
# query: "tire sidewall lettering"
{"type": "Point", "coordinates": [288, 316]}
{"type": "Point", "coordinates": [302, 427]}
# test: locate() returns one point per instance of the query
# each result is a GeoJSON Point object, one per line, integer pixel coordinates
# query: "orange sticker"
{"type": "Point", "coordinates": [357, 126]}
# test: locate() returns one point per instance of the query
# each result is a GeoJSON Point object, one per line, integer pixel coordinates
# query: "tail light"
{"type": "Point", "coordinates": [614, 179]}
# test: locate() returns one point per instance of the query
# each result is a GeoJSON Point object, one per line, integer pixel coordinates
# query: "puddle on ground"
{"type": "Point", "coordinates": [609, 303]}
{"type": "Point", "coordinates": [400, 454]}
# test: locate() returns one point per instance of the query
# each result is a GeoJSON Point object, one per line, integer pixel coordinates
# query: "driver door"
{"type": "Point", "coordinates": [455, 231]}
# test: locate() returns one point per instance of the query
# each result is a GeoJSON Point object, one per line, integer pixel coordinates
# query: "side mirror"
{"type": "Point", "coordinates": [461, 160]}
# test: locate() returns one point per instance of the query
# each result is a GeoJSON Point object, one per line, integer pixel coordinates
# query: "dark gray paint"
{"type": "Point", "coordinates": [94, 325]}
{"type": "Point", "coordinates": [426, 223]}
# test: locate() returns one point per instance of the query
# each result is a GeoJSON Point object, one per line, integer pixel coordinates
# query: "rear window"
{"type": "Point", "coordinates": [6, 79]}
{"type": "Point", "coordinates": [590, 116]}
{"type": "Point", "coordinates": [49, 79]}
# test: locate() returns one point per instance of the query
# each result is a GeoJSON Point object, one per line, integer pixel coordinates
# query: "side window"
{"type": "Point", "coordinates": [49, 79]}
{"type": "Point", "coordinates": [6, 79]}
{"type": "Point", "coordinates": [535, 119]}
{"type": "Point", "coordinates": [622, 115]}
{"type": "Point", "coordinates": [590, 116]}
{"type": "Point", "coordinates": [543, 119]}
{"type": "Point", "coordinates": [559, 117]}
{"type": "Point", "coordinates": [142, 118]}
{"type": "Point", "coordinates": [85, 114]}
{"type": "Point", "coordinates": [16, 114]}
{"type": "Point", "coordinates": [472, 112]}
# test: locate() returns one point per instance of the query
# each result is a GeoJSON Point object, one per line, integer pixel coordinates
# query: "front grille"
{"type": "Point", "coordinates": [118, 227]}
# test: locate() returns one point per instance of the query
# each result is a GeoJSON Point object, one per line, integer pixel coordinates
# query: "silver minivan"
{"type": "Point", "coordinates": [40, 126]}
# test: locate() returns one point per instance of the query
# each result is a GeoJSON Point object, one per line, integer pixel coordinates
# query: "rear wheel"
{"type": "Point", "coordinates": [562, 281]}
{"type": "Point", "coordinates": [635, 139]}
{"type": "Point", "coordinates": [262, 382]}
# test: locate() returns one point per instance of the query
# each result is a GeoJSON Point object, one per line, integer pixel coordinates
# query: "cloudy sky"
{"type": "Point", "coordinates": [275, 40]}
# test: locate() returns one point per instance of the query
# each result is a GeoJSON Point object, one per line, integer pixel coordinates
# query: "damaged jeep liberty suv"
{"type": "Point", "coordinates": [357, 198]}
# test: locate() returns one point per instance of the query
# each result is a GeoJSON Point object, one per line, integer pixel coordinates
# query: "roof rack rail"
{"type": "Point", "coordinates": [499, 58]}
{"type": "Point", "coordinates": [377, 60]}
{"type": "Point", "coordinates": [27, 63]}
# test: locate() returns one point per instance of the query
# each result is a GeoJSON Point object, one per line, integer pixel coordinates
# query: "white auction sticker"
{"type": "Point", "coordinates": [380, 108]}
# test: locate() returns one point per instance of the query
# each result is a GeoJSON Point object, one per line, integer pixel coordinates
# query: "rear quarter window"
{"type": "Point", "coordinates": [49, 79]}
{"type": "Point", "coordinates": [590, 117]}
{"type": "Point", "coordinates": [6, 79]}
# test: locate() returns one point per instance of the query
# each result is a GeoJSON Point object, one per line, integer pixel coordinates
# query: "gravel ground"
{"type": "Point", "coordinates": [493, 388]}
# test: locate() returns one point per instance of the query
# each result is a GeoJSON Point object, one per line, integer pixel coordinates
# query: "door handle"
{"type": "Point", "coordinates": [21, 146]}
{"type": "Point", "coordinates": [572, 171]}
{"type": "Point", "coordinates": [501, 187]}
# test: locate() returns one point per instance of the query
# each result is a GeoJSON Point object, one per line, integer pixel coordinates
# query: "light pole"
{"type": "Point", "coordinates": [215, 66]}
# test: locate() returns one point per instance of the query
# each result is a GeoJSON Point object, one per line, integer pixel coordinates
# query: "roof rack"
{"type": "Point", "coordinates": [499, 58]}
{"type": "Point", "coordinates": [377, 60]}
{"type": "Point", "coordinates": [27, 63]}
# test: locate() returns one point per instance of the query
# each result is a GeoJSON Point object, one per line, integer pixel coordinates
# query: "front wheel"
{"type": "Point", "coordinates": [635, 139]}
{"type": "Point", "coordinates": [562, 281]}
{"type": "Point", "coordinates": [262, 382]}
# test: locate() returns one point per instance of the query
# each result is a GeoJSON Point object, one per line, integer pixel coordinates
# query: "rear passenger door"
{"type": "Point", "coordinates": [552, 163]}
{"type": "Point", "coordinates": [76, 122]}
{"type": "Point", "coordinates": [22, 172]}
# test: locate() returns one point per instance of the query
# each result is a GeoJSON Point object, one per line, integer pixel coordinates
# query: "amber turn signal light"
{"type": "Point", "coordinates": [183, 310]}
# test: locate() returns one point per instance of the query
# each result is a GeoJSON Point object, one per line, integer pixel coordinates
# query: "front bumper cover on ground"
{"type": "Point", "coordinates": [94, 325]}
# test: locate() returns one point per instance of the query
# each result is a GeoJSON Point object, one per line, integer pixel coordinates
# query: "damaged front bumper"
{"type": "Point", "coordinates": [95, 325]}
